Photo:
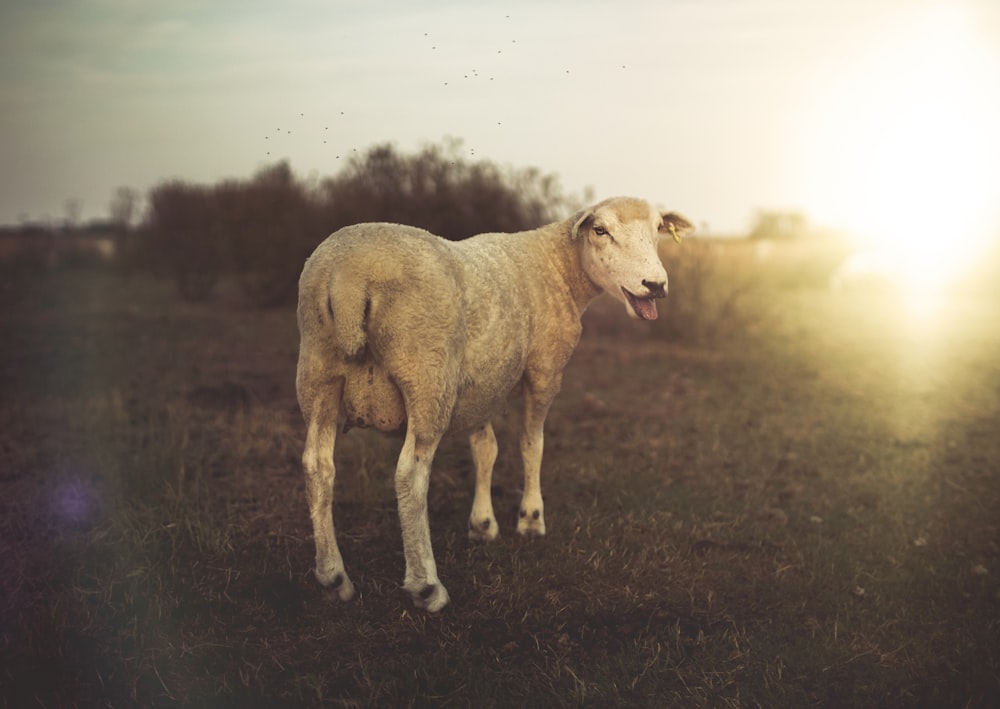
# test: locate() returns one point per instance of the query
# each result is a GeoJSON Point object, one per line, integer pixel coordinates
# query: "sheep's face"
{"type": "Point", "coordinates": [619, 239]}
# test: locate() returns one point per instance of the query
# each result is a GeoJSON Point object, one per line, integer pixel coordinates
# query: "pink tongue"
{"type": "Point", "coordinates": [645, 308]}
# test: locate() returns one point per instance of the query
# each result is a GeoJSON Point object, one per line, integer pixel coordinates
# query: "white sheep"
{"type": "Point", "coordinates": [401, 328]}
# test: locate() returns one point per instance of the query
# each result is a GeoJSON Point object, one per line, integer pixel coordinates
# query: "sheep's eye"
{"type": "Point", "coordinates": [600, 231]}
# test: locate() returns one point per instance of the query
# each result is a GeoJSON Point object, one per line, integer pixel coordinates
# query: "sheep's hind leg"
{"type": "Point", "coordinates": [531, 516]}
{"type": "Point", "coordinates": [412, 482]}
{"type": "Point", "coordinates": [317, 459]}
{"type": "Point", "coordinates": [482, 522]}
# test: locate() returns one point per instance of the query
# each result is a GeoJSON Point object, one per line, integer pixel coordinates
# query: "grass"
{"type": "Point", "coordinates": [796, 507]}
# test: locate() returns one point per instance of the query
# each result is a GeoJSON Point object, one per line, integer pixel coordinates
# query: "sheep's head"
{"type": "Point", "coordinates": [619, 254]}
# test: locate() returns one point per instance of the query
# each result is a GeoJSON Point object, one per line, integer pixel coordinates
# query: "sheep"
{"type": "Point", "coordinates": [402, 330]}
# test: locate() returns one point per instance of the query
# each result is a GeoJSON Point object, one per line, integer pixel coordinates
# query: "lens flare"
{"type": "Point", "coordinates": [73, 503]}
{"type": "Point", "coordinates": [904, 153]}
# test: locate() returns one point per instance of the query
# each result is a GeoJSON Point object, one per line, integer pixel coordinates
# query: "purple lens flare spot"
{"type": "Point", "coordinates": [74, 502]}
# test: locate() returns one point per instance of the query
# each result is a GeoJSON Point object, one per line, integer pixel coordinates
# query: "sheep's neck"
{"type": "Point", "coordinates": [564, 255]}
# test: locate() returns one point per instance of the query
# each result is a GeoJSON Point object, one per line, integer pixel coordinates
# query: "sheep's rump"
{"type": "Point", "coordinates": [379, 305]}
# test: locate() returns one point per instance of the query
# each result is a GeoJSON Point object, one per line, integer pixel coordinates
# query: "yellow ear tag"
{"type": "Point", "coordinates": [673, 231]}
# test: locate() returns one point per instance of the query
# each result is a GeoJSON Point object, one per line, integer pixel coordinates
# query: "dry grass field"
{"type": "Point", "coordinates": [790, 498]}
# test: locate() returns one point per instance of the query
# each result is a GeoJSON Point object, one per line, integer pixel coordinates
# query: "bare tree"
{"type": "Point", "coordinates": [72, 209]}
{"type": "Point", "coordinates": [122, 208]}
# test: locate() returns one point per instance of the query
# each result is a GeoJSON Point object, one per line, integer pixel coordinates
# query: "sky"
{"type": "Point", "coordinates": [855, 111]}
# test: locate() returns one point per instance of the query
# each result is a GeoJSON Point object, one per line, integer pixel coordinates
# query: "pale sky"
{"type": "Point", "coordinates": [714, 108]}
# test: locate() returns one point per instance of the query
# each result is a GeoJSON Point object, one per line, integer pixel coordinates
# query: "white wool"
{"type": "Point", "coordinates": [400, 328]}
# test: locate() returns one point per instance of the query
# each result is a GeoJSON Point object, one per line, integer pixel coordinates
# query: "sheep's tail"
{"type": "Point", "coordinates": [348, 304]}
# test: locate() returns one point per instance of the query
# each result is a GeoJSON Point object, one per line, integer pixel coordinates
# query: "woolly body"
{"type": "Point", "coordinates": [402, 329]}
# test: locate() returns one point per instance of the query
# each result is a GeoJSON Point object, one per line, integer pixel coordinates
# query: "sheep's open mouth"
{"type": "Point", "coordinates": [645, 308]}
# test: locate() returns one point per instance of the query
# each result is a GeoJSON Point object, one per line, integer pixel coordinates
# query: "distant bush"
{"type": "Point", "coordinates": [779, 226]}
{"type": "Point", "coordinates": [185, 237]}
{"type": "Point", "coordinates": [262, 229]}
{"type": "Point", "coordinates": [25, 250]}
{"type": "Point", "coordinates": [714, 291]}
{"type": "Point", "coordinates": [271, 224]}
{"type": "Point", "coordinates": [438, 190]}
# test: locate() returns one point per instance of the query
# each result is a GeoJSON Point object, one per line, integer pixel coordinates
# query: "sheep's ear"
{"type": "Point", "coordinates": [580, 222]}
{"type": "Point", "coordinates": [675, 225]}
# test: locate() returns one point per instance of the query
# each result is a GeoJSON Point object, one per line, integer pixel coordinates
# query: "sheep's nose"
{"type": "Point", "coordinates": [657, 289]}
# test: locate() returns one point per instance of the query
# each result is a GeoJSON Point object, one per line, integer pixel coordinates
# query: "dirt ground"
{"type": "Point", "coordinates": [801, 510]}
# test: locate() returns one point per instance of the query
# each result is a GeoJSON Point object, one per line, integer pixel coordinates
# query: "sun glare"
{"type": "Point", "coordinates": [905, 151]}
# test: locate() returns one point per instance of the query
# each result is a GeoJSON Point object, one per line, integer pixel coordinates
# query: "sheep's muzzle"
{"type": "Point", "coordinates": [645, 308]}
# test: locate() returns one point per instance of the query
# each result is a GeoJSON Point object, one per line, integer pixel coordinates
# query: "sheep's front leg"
{"type": "Point", "coordinates": [531, 516]}
{"type": "Point", "coordinates": [482, 522]}
{"type": "Point", "coordinates": [317, 459]}
{"type": "Point", "coordinates": [412, 481]}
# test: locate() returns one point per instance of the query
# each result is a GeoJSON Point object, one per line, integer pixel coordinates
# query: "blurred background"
{"type": "Point", "coordinates": [782, 493]}
{"type": "Point", "coordinates": [855, 142]}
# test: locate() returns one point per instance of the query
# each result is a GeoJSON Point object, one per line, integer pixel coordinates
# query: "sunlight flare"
{"type": "Point", "coordinates": [904, 153]}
